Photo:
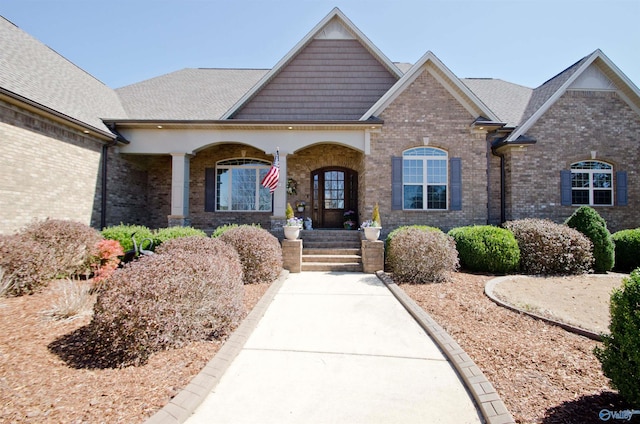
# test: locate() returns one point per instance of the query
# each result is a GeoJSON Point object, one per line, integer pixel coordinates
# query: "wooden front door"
{"type": "Point", "coordinates": [334, 191]}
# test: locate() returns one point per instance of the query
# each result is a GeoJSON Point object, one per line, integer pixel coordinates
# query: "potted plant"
{"type": "Point", "coordinates": [372, 226]}
{"type": "Point", "coordinates": [300, 205]}
{"type": "Point", "coordinates": [293, 225]}
{"type": "Point", "coordinates": [349, 223]}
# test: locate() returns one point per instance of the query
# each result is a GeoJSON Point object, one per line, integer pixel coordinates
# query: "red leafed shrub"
{"type": "Point", "coordinates": [550, 248]}
{"type": "Point", "coordinates": [422, 255]}
{"type": "Point", "coordinates": [107, 259]}
{"type": "Point", "coordinates": [259, 251]}
{"type": "Point", "coordinates": [163, 301]}
{"type": "Point", "coordinates": [73, 243]}
{"type": "Point", "coordinates": [25, 265]}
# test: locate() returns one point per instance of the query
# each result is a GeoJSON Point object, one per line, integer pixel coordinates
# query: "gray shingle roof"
{"type": "Point", "coordinates": [189, 94]}
{"type": "Point", "coordinates": [34, 71]}
{"type": "Point", "coordinates": [507, 100]}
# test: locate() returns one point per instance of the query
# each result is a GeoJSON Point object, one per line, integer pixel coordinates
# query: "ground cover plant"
{"type": "Point", "coordinates": [586, 220]}
{"type": "Point", "coordinates": [551, 249]}
{"type": "Point", "coordinates": [486, 248]}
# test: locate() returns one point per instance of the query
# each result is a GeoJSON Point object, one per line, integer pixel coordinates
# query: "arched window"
{"type": "Point", "coordinates": [238, 185]}
{"type": "Point", "coordinates": [591, 183]}
{"type": "Point", "coordinates": [424, 178]}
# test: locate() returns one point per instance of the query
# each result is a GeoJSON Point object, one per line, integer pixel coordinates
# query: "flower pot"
{"type": "Point", "coordinates": [300, 208]}
{"type": "Point", "coordinates": [291, 233]}
{"type": "Point", "coordinates": [372, 233]}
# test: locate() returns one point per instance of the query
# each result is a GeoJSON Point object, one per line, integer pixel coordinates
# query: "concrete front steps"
{"type": "Point", "coordinates": [331, 250]}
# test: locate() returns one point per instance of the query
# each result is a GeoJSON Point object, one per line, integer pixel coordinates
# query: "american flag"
{"type": "Point", "coordinates": [270, 180]}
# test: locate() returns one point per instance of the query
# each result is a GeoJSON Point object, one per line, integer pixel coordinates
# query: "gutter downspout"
{"type": "Point", "coordinates": [103, 188]}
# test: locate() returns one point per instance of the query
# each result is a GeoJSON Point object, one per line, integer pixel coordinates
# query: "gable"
{"type": "Point", "coordinates": [592, 79]}
{"type": "Point", "coordinates": [333, 78]}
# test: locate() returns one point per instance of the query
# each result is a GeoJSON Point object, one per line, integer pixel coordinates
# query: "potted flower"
{"type": "Point", "coordinates": [300, 205]}
{"type": "Point", "coordinates": [293, 225]}
{"type": "Point", "coordinates": [349, 222]}
{"type": "Point", "coordinates": [372, 226]}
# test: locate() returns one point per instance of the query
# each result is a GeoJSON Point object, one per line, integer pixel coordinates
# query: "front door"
{"type": "Point", "coordinates": [334, 191]}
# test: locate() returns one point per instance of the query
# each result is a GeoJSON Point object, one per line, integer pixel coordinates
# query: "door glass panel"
{"type": "Point", "coordinates": [334, 190]}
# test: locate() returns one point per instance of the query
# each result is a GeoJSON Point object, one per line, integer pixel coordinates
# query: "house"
{"type": "Point", "coordinates": [350, 128]}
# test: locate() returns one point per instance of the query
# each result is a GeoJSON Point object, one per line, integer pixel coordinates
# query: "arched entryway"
{"type": "Point", "coordinates": [334, 191]}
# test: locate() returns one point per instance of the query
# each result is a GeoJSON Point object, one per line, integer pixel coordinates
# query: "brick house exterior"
{"type": "Point", "coordinates": [351, 127]}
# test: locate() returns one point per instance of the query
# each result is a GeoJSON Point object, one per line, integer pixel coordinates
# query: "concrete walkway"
{"type": "Point", "coordinates": [337, 348]}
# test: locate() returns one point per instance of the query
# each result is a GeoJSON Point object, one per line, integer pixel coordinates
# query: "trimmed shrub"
{"type": "Point", "coordinates": [201, 246]}
{"type": "Point", "coordinates": [586, 220]}
{"type": "Point", "coordinates": [74, 244]}
{"type": "Point", "coordinates": [418, 255]}
{"type": "Point", "coordinates": [550, 248]}
{"type": "Point", "coordinates": [259, 251]}
{"type": "Point", "coordinates": [26, 265]}
{"type": "Point", "coordinates": [163, 234]}
{"type": "Point", "coordinates": [627, 248]}
{"type": "Point", "coordinates": [124, 232]}
{"type": "Point", "coordinates": [393, 233]}
{"type": "Point", "coordinates": [224, 228]}
{"type": "Point", "coordinates": [620, 354]}
{"type": "Point", "coordinates": [486, 248]}
{"type": "Point", "coordinates": [163, 301]}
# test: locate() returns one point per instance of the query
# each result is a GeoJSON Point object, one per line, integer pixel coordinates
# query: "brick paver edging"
{"type": "Point", "coordinates": [483, 392]}
{"type": "Point", "coordinates": [185, 403]}
{"type": "Point", "coordinates": [488, 290]}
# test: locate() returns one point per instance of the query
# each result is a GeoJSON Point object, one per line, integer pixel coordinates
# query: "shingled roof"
{"type": "Point", "coordinates": [33, 71]}
{"type": "Point", "coordinates": [189, 94]}
{"type": "Point", "coordinates": [507, 100]}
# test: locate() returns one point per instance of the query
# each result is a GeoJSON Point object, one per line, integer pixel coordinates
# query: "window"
{"type": "Point", "coordinates": [592, 183]}
{"type": "Point", "coordinates": [238, 185]}
{"type": "Point", "coordinates": [424, 179]}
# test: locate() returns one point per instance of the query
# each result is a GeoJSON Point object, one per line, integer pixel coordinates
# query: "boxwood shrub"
{"type": "Point", "coordinates": [421, 255]}
{"type": "Point", "coordinates": [627, 248]}
{"type": "Point", "coordinates": [487, 248]}
{"type": "Point", "coordinates": [161, 235]}
{"type": "Point", "coordinates": [589, 222]}
{"type": "Point", "coordinates": [619, 355]}
{"type": "Point", "coordinates": [124, 232]}
{"type": "Point", "coordinates": [550, 248]}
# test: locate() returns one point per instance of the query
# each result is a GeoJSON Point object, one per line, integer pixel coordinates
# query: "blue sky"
{"type": "Point", "coordinates": [121, 42]}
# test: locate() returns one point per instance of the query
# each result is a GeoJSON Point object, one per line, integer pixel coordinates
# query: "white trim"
{"type": "Point", "coordinates": [591, 189]}
{"type": "Point", "coordinates": [425, 184]}
{"type": "Point", "coordinates": [334, 14]}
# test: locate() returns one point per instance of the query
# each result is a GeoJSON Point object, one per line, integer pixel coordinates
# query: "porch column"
{"type": "Point", "coordinates": [280, 195]}
{"type": "Point", "coordinates": [179, 190]}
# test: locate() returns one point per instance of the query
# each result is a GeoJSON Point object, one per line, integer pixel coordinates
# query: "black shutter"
{"type": "Point", "coordinates": [455, 184]}
{"type": "Point", "coordinates": [396, 183]}
{"type": "Point", "coordinates": [565, 188]}
{"type": "Point", "coordinates": [210, 190]}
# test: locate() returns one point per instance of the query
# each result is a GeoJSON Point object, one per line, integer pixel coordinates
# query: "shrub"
{"type": "Point", "coordinates": [549, 248]}
{"type": "Point", "coordinates": [26, 265]}
{"type": "Point", "coordinates": [627, 248]}
{"type": "Point", "coordinates": [620, 354]}
{"type": "Point", "coordinates": [201, 246]}
{"type": "Point", "coordinates": [73, 244]}
{"type": "Point", "coordinates": [418, 255]}
{"type": "Point", "coordinates": [124, 232]}
{"type": "Point", "coordinates": [163, 234]}
{"type": "Point", "coordinates": [224, 228]}
{"type": "Point", "coordinates": [106, 261]}
{"type": "Point", "coordinates": [163, 301]}
{"type": "Point", "coordinates": [71, 298]}
{"type": "Point", "coordinates": [586, 220]}
{"type": "Point", "coordinates": [487, 248]}
{"type": "Point", "coordinates": [259, 251]}
{"type": "Point", "coordinates": [393, 233]}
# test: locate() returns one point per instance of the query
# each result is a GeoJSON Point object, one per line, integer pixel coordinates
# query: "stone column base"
{"type": "Point", "coordinates": [178, 221]}
{"type": "Point", "coordinates": [292, 255]}
{"type": "Point", "coordinates": [372, 256]}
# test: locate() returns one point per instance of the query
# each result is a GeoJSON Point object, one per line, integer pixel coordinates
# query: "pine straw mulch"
{"type": "Point", "coordinates": [36, 386]}
{"type": "Point", "coordinates": [543, 373]}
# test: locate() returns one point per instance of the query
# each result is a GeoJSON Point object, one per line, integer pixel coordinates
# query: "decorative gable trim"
{"type": "Point", "coordinates": [623, 85]}
{"type": "Point", "coordinates": [334, 26]}
{"type": "Point", "coordinates": [430, 63]}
